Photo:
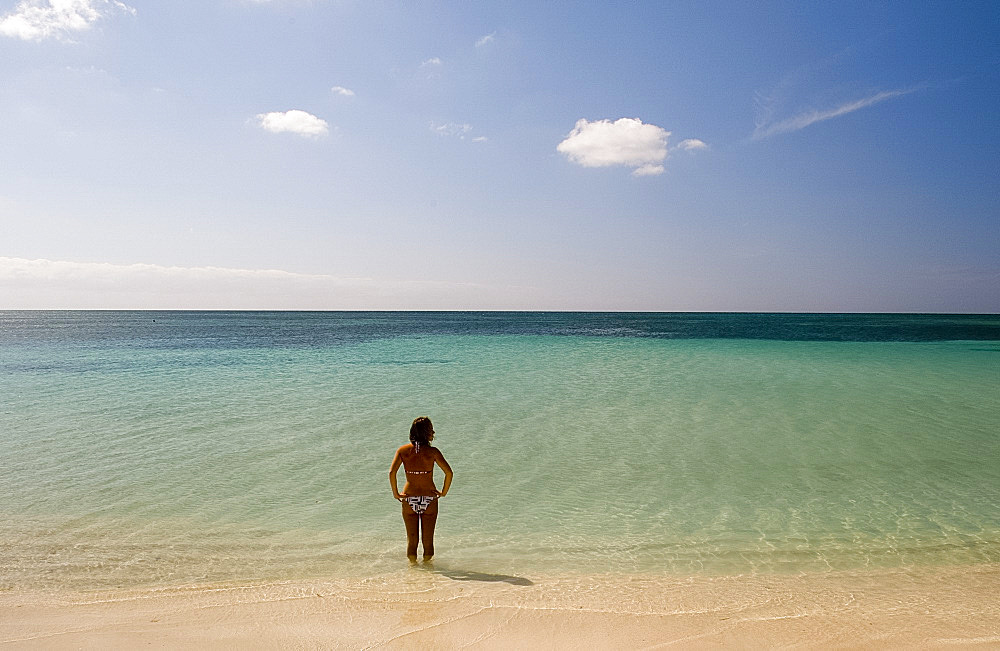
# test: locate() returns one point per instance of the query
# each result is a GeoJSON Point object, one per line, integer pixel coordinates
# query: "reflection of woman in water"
{"type": "Point", "coordinates": [419, 496]}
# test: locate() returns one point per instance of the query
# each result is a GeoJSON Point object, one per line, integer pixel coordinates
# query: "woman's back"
{"type": "Point", "coordinates": [419, 468]}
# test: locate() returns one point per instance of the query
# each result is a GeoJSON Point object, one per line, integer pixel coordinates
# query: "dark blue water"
{"type": "Point", "coordinates": [176, 329]}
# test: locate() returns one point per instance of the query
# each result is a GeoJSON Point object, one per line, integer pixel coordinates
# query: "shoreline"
{"type": "Point", "coordinates": [445, 607]}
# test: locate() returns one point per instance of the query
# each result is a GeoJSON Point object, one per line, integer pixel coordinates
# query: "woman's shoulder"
{"type": "Point", "coordinates": [405, 448]}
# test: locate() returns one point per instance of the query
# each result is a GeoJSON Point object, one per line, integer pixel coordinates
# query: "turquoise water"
{"type": "Point", "coordinates": [175, 448]}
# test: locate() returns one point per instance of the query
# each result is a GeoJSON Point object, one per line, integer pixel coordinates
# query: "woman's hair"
{"type": "Point", "coordinates": [419, 431]}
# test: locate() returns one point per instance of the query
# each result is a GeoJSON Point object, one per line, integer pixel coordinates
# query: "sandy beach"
{"type": "Point", "coordinates": [436, 607]}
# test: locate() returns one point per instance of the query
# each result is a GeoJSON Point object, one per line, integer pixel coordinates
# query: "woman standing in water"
{"type": "Point", "coordinates": [419, 496]}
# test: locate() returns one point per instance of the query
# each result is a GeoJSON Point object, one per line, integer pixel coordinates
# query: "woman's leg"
{"type": "Point", "coordinates": [412, 522]}
{"type": "Point", "coordinates": [427, 522]}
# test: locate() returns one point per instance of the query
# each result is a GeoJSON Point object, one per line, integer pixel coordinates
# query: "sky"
{"type": "Point", "coordinates": [339, 154]}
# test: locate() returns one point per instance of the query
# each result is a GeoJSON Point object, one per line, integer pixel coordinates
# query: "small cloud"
{"type": "Point", "coordinates": [766, 129]}
{"type": "Point", "coordinates": [691, 144]}
{"type": "Point", "coordinates": [648, 170]}
{"type": "Point", "coordinates": [626, 142]}
{"type": "Point", "coordinates": [480, 139]}
{"type": "Point", "coordinates": [432, 62]}
{"type": "Point", "coordinates": [37, 20]}
{"type": "Point", "coordinates": [340, 90]}
{"type": "Point", "coordinates": [294, 121]}
{"type": "Point", "coordinates": [485, 40]}
{"type": "Point", "coordinates": [451, 129]}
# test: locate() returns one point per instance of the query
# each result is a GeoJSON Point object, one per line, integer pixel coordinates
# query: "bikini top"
{"type": "Point", "coordinates": [418, 472]}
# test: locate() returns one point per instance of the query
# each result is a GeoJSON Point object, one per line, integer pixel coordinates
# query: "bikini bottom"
{"type": "Point", "coordinates": [420, 504]}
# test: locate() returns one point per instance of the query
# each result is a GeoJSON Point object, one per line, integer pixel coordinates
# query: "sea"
{"type": "Point", "coordinates": [143, 448]}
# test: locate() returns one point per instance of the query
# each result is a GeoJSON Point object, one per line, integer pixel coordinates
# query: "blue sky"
{"type": "Point", "coordinates": [295, 154]}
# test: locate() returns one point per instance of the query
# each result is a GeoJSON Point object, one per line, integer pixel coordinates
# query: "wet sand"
{"type": "Point", "coordinates": [442, 607]}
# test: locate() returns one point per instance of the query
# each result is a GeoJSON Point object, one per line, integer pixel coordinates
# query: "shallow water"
{"type": "Point", "coordinates": [170, 448]}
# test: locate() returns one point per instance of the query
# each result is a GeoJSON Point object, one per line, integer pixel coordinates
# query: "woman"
{"type": "Point", "coordinates": [419, 496]}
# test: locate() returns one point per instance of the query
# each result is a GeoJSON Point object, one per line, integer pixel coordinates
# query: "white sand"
{"type": "Point", "coordinates": [417, 608]}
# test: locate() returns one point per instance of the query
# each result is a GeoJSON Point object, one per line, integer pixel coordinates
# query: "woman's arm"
{"type": "Point", "coordinates": [448, 474]}
{"type": "Point", "coordinates": [396, 462]}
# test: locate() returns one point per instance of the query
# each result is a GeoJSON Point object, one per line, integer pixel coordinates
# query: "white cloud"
{"type": "Point", "coordinates": [340, 90]}
{"type": "Point", "coordinates": [648, 170]}
{"type": "Point", "coordinates": [433, 61]}
{"type": "Point", "coordinates": [766, 129]}
{"type": "Point", "coordinates": [691, 144]}
{"type": "Point", "coordinates": [451, 129]}
{"type": "Point", "coordinates": [480, 139]}
{"type": "Point", "coordinates": [54, 284]}
{"type": "Point", "coordinates": [626, 141]}
{"type": "Point", "coordinates": [36, 20]}
{"type": "Point", "coordinates": [489, 38]}
{"type": "Point", "coordinates": [294, 121]}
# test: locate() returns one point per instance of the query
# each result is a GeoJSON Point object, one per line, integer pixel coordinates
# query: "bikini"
{"type": "Point", "coordinates": [419, 504]}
